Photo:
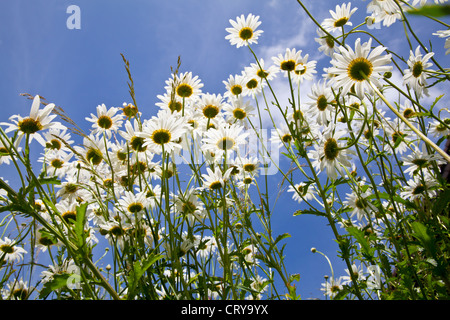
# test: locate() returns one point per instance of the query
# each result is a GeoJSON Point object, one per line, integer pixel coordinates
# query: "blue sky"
{"type": "Point", "coordinates": [80, 69]}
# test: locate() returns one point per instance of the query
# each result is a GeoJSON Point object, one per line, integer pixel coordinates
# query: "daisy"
{"type": "Point", "coordinates": [133, 204]}
{"type": "Point", "coordinates": [348, 64]}
{"type": "Point", "coordinates": [373, 281]}
{"type": "Point", "coordinates": [386, 11]}
{"type": "Point", "coordinates": [420, 159]}
{"type": "Point", "coordinates": [44, 240]}
{"type": "Point", "coordinates": [16, 290]}
{"type": "Point", "coordinates": [416, 75]}
{"type": "Point", "coordinates": [243, 31]}
{"type": "Point", "coordinates": [329, 155]}
{"type": "Point", "coordinates": [250, 252]}
{"type": "Point", "coordinates": [423, 2]}
{"type": "Point", "coordinates": [170, 102]}
{"type": "Point", "coordinates": [248, 165]}
{"type": "Point", "coordinates": [67, 266]}
{"type": "Point", "coordinates": [57, 162]}
{"type": "Point", "coordinates": [234, 86]}
{"type": "Point", "coordinates": [114, 231]}
{"type": "Point", "coordinates": [281, 136]}
{"type": "Point", "coordinates": [135, 142]}
{"type": "Point", "coordinates": [360, 205]}
{"type": "Point", "coordinates": [260, 71]}
{"type": "Point", "coordinates": [440, 128]}
{"type": "Point", "coordinates": [400, 136]}
{"type": "Point", "coordinates": [58, 139]}
{"type": "Point", "coordinates": [356, 272]}
{"type": "Point", "coordinates": [339, 18]}
{"type": "Point", "coordinates": [189, 205]}
{"type": "Point", "coordinates": [332, 287]}
{"type": "Point", "coordinates": [68, 210]}
{"type": "Point", "coordinates": [305, 70]}
{"type": "Point", "coordinates": [321, 104]}
{"type": "Point", "coordinates": [326, 43]}
{"type": "Point", "coordinates": [419, 189]}
{"type": "Point", "coordinates": [253, 85]}
{"type": "Point", "coordinates": [71, 190]}
{"type": "Point", "coordinates": [210, 105]}
{"type": "Point", "coordinates": [214, 180]}
{"type": "Point", "coordinates": [7, 149]}
{"type": "Point", "coordinates": [444, 34]}
{"type": "Point", "coordinates": [163, 132]}
{"type": "Point", "coordinates": [206, 247]}
{"type": "Point", "coordinates": [288, 62]}
{"type": "Point", "coordinates": [129, 110]}
{"type": "Point", "coordinates": [35, 123]}
{"type": "Point", "coordinates": [106, 120]}
{"type": "Point", "coordinates": [9, 252]}
{"type": "Point", "coordinates": [302, 191]}
{"type": "Point", "coordinates": [238, 110]}
{"type": "Point", "coordinates": [224, 139]}
{"type": "Point", "coordinates": [184, 87]}
{"type": "Point", "coordinates": [93, 150]}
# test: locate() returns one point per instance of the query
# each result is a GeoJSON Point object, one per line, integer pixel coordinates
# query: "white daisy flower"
{"type": "Point", "coordinates": [163, 131]}
{"type": "Point", "coordinates": [328, 154]}
{"type": "Point", "coordinates": [238, 110]}
{"type": "Point", "coordinates": [57, 162]}
{"type": "Point", "coordinates": [418, 188]}
{"type": "Point", "coordinates": [420, 159]}
{"type": "Point", "coordinates": [224, 139]}
{"type": "Point", "coordinates": [302, 191]}
{"type": "Point", "coordinates": [320, 105]}
{"type": "Point", "coordinates": [259, 70]}
{"type": "Point", "coordinates": [348, 64]}
{"type": "Point", "coordinates": [332, 287]}
{"type": "Point", "coordinates": [444, 34]}
{"type": "Point", "coordinates": [7, 149]}
{"type": "Point", "coordinates": [57, 139]}
{"type": "Point", "coordinates": [170, 102]}
{"type": "Point", "coordinates": [106, 120]}
{"type": "Point", "coordinates": [339, 18]}
{"type": "Point", "coordinates": [385, 11]}
{"type": "Point", "coordinates": [360, 205]}
{"type": "Point", "coordinates": [244, 30]}
{"type": "Point", "coordinates": [400, 135]}
{"type": "Point", "coordinates": [35, 123]}
{"type": "Point", "coordinates": [305, 70]}
{"type": "Point", "coordinates": [10, 252]}
{"type": "Point", "coordinates": [214, 180]}
{"type": "Point", "coordinates": [135, 142]}
{"type": "Point", "coordinates": [16, 290]}
{"type": "Point", "coordinates": [327, 45]}
{"type": "Point", "coordinates": [234, 86]}
{"type": "Point", "coordinates": [288, 62]}
{"type": "Point", "coordinates": [416, 75]}
{"type": "Point", "coordinates": [210, 105]}
{"type": "Point", "coordinates": [184, 86]}
{"type": "Point", "coordinates": [133, 204]}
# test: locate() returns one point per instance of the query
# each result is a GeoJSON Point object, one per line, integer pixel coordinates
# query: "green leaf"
{"type": "Point", "coordinates": [441, 202]}
{"type": "Point", "coordinates": [79, 224]}
{"type": "Point", "coordinates": [59, 281]}
{"type": "Point", "coordinates": [432, 10]}
{"type": "Point", "coordinates": [312, 212]}
{"type": "Point", "coordinates": [422, 234]}
{"type": "Point", "coordinates": [359, 235]}
{"type": "Point", "coordinates": [281, 237]}
{"type": "Point", "coordinates": [138, 271]}
{"type": "Point", "coordinates": [49, 180]}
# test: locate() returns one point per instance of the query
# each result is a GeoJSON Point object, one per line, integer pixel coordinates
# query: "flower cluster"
{"type": "Point", "coordinates": [173, 199]}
